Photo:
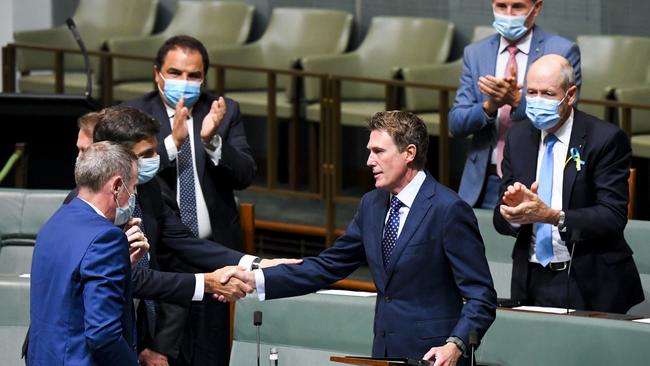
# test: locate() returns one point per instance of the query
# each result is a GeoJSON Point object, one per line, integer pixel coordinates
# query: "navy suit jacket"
{"type": "Point", "coordinates": [235, 171]}
{"type": "Point", "coordinates": [438, 260]}
{"type": "Point", "coordinates": [467, 116]}
{"type": "Point", "coordinates": [594, 200]}
{"type": "Point", "coordinates": [80, 297]}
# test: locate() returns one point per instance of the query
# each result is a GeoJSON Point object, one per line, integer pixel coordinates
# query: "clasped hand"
{"type": "Point", "coordinates": [500, 91]}
{"type": "Point", "coordinates": [523, 206]}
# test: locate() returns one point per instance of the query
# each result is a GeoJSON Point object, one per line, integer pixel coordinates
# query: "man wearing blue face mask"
{"type": "Point", "coordinates": [489, 99]}
{"type": "Point", "coordinates": [204, 157]}
{"type": "Point", "coordinates": [564, 196]}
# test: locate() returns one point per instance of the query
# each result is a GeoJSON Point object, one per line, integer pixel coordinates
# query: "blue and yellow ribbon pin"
{"type": "Point", "coordinates": [575, 156]}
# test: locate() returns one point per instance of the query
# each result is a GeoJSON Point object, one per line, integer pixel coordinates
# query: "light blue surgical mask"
{"type": "Point", "coordinates": [511, 27]}
{"type": "Point", "coordinates": [123, 214]}
{"type": "Point", "coordinates": [543, 113]}
{"type": "Point", "coordinates": [175, 89]}
{"type": "Point", "coordinates": [147, 168]}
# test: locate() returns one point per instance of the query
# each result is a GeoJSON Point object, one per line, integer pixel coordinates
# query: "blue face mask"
{"type": "Point", "coordinates": [123, 214]}
{"type": "Point", "coordinates": [147, 168]}
{"type": "Point", "coordinates": [175, 89]}
{"type": "Point", "coordinates": [543, 113]}
{"type": "Point", "coordinates": [511, 27]}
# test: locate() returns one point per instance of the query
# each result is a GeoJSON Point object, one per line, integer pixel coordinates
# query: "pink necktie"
{"type": "Point", "coordinates": [504, 112]}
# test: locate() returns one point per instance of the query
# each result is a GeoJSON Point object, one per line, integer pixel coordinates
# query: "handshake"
{"type": "Point", "coordinates": [232, 283]}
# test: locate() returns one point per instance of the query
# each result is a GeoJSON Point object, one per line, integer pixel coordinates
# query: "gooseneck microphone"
{"type": "Point", "coordinates": [575, 237]}
{"type": "Point", "coordinates": [473, 343]}
{"type": "Point", "coordinates": [257, 322]}
{"type": "Point", "coordinates": [75, 33]}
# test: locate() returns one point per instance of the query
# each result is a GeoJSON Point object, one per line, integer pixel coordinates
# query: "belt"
{"type": "Point", "coordinates": [492, 169]}
{"type": "Point", "coordinates": [557, 266]}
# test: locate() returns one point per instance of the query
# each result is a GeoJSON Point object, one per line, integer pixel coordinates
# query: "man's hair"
{"type": "Point", "coordinates": [125, 125]}
{"type": "Point", "coordinates": [100, 162]}
{"type": "Point", "coordinates": [88, 121]}
{"type": "Point", "coordinates": [185, 43]}
{"type": "Point", "coordinates": [405, 128]}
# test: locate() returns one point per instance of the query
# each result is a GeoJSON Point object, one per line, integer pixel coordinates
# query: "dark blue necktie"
{"type": "Point", "coordinates": [543, 233]}
{"type": "Point", "coordinates": [143, 264]}
{"type": "Point", "coordinates": [390, 230]}
{"type": "Point", "coordinates": [186, 188]}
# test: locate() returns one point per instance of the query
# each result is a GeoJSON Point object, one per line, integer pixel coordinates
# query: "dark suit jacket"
{"type": "Point", "coordinates": [467, 116]}
{"type": "Point", "coordinates": [235, 171]}
{"type": "Point", "coordinates": [80, 296]}
{"type": "Point", "coordinates": [595, 202]}
{"type": "Point", "coordinates": [439, 260]}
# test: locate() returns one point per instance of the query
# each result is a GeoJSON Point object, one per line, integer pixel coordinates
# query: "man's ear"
{"type": "Point", "coordinates": [572, 94]}
{"type": "Point", "coordinates": [411, 151]}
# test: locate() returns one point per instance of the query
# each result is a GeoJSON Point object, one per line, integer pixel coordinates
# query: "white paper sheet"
{"type": "Point", "coordinates": [347, 293]}
{"type": "Point", "coordinates": [542, 309]}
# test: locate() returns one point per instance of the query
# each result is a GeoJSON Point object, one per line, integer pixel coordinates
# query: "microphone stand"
{"type": "Point", "coordinates": [257, 322]}
{"type": "Point", "coordinates": [473, 343]}
{"type": "Point", "coordinates": [73, 28]}
{"type": "Point", "coordinates": [575, 235]}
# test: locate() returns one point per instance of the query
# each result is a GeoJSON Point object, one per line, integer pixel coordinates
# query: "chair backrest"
{"type": "Point", "coordinates": [636, 234]}
{"type": "Point", "coordinates": [215, 24]}
{"type": "Point", "coordinates": [636, 94]}
{"type": "Point", "coordinates": [291, 33]}
{"type": "Point", "coordinates": [608, 62]}
{"type": "Point", "coordinates": [498, 249]}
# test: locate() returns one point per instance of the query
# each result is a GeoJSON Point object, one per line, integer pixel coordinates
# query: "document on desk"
{"type": "Point", "coordinates": [347, 293]}
{"type": "Point", "coordinates": [542, 309]}
{"type": "Point", "coordinates": [25, 275]}
{"type": "Point", "coordinates": [644, 320]}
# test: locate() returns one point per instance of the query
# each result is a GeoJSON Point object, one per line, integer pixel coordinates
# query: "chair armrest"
{"type": "Point", "coordinates": [418, 99]}
{"type": "Point", "coordinates": [34, 60]}
{"type": "Point", "coordinates": [134, 70]}
{"type": "Point", "coordinates": [636, 94]}
{"type": "Point", "coordinates": [345, 64]}
{"type": "Point", "coordinates": [246, 55]}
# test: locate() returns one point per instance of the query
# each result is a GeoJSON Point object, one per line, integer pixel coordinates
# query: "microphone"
{"type": "Point", "coordinates": [473, 343]}
{"type": "Point", "coordinates": [257, 322]}
{"type": "Point", "coordinates": [575, 237]}
{"type": "Point", "coordinates": [75, 33]}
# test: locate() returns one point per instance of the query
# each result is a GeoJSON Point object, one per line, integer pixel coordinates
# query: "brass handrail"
{"type": "Point", "coordinates": [11, 162]}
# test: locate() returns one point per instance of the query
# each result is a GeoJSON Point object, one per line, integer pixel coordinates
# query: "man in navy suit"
{"type": "Point", "coordinates": [489, 98]}
{"type": "Point", "coordinates": [80, 297]}
{"type": "Point", "coordinates": [565, 186]}
{"type": "Point", "coordinates": [423, 247]}
{"type": "Point", "coordinates": [210, 130]}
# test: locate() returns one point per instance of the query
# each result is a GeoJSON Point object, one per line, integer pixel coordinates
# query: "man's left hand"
{"type": "Point", "coordinates": [213, 120]}
{"type": "Point", "coordinates": [531, 210]}
{"type": "Point", "coordinates": [138, 242]}
{"type": "Point", "coordinates": [446, 355]}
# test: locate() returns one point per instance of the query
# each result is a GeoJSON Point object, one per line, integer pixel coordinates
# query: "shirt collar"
{"type": "Point", "coordinates": [563, 134]}
{"type": "Point", "coordinates": [172, 111]}
{"type": "Point", "coordinates": [93, 207]}
{"type": "Point", "coordinates": [523, 44]}
{"type": "Point", "coordinates": [407, 195]}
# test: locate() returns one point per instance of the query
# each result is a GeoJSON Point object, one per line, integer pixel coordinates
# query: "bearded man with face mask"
{"type": "Point", "coordinates": [564, 195]}
{"type": "Point", "coordinates": [204, 157]}
{"type": "Point", "coordinates": [489, 99]}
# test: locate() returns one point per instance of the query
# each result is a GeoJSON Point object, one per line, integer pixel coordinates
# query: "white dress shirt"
{"type": "Point", "coordinates": [406, 196]}
{"type": "Point", "coordinates": [560, 149]}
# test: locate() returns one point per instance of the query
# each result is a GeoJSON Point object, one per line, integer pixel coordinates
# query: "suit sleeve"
{"type": "Point", "coordinates": [315, 273]}
{"type": "Point", "coordinates": [466, 256]}
{"type": "Point", "coordinates": [162, 286]}
{"type": "Point", "coordinates": [467, 116]}
{"type": "Point", "coordinates": [104, 272]}
{"type": "Point", "coordinates": [237, 167]}
{"type": "Point", "coordinates": [607, 216]}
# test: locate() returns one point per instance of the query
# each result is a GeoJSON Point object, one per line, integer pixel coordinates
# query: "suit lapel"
{"type": "Point", "coordinates": [378, 215]}
{"type": "Point", "coordinates": [199, 111]}
{"type": "Point", "coordinates": [417, 212]}
{"type": "Point", "coordinates": [570, 172]}
{"type": "Point", "coordinates": [529, 152]}
{"type": "Point", "coordinates": [536, 46]}
{"type": "Point", "coordinates": [487, 67]}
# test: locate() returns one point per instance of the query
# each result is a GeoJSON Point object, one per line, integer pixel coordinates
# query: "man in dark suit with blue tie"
{"type": "Point", "coordinates": [564, 197]}
{"type": "Point", "coordinates": [423, 247]}
{"type": "Point", "coordinates": [80, 297]}
{"type": "Point", "coordinates": [489, 99]}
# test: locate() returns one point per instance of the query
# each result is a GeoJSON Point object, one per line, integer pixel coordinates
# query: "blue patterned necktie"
{"type": "Point", "coordinates": [543, 233]}
{"type": "Point", "coordinates": [186, 188]}
{"type": "Point", "coordinates": [143, 264]}
{"type": "Point", "coordinates": [390, 230]}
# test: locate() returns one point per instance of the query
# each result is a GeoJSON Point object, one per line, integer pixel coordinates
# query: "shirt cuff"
{"type": "Point", "coordinates": [199, 287]}
{"type": "Point", "coordinates": [247, 261]}
{"type": "Point", "coordinates": [259, 284]}
{"type": "Point", "coordinates": [170, 146]}
{"type": "Point", "coordinates": [213, 149]}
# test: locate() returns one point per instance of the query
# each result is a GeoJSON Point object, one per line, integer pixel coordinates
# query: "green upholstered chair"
{"type": "Point", "coordinates": [214, 23]}
{"type": "Point", "coordinates": [638, 94]}
{"type": "Point", "coordinates": [291, 33]}
{"type": "Point", "coordinates": [609, 62]}
{"type": "Point", "coordinates": [97, 21]}
{"type": "Point", "coordinates": [637, 233]}
{"type": "Point", "coordinates": [306, 330]}
{"type": "Point", "coordinates": [498, 251]}
{"type": "Point", "coordinates": [11, 342]}
{"type": "Point", "coordinates": [391, 42]}
{"type": "Point", "coordinates": [425, 102]}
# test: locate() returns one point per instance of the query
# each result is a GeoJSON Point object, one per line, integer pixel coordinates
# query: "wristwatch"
{"type": "Point", "coordinates": [458, 342]}
{"type": "Point", "coordinates": [256, 263]}
{"type": "Point", "coordinates": [561, 224]}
